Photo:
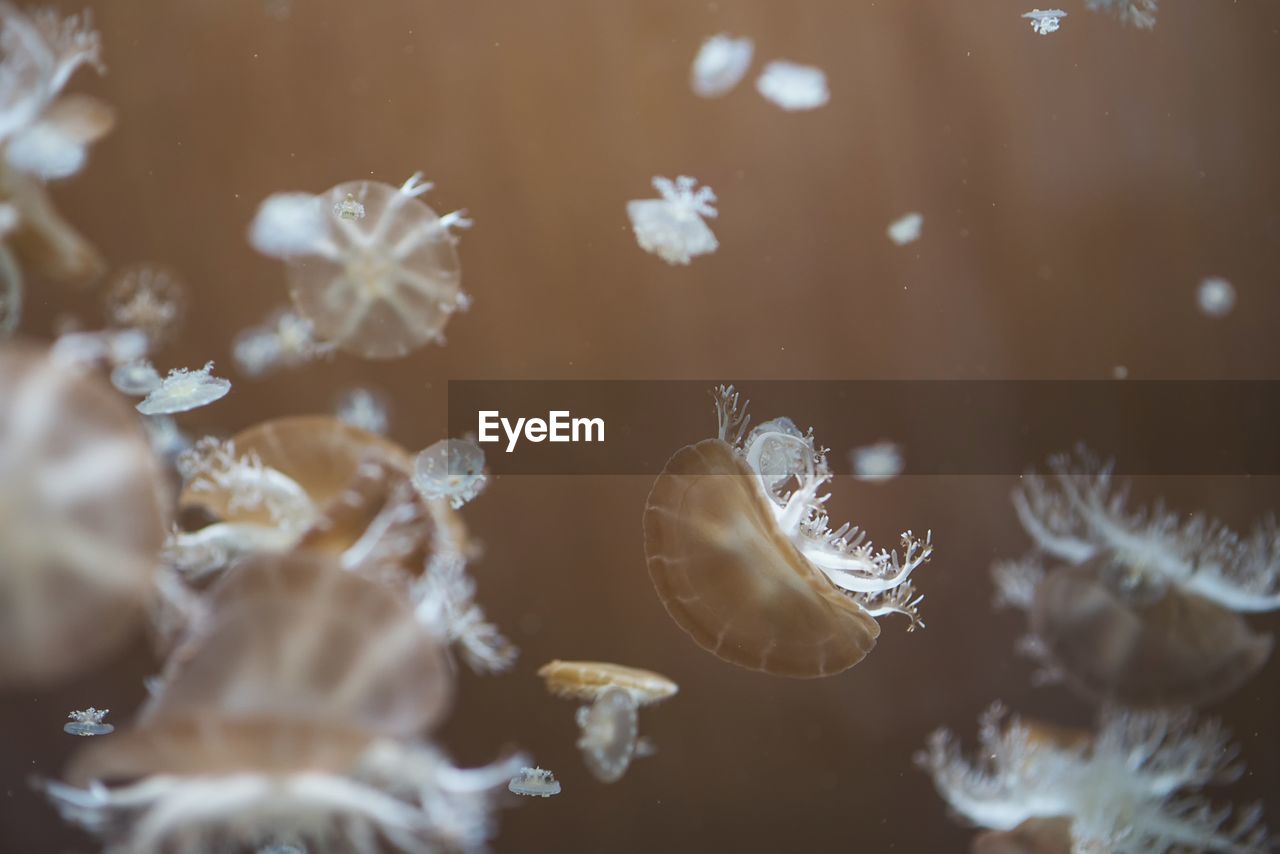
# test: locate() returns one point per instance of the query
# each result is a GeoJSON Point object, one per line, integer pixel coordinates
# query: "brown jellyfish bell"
{"type": "Point", "coordinates": [609, 740]}
{"type": "Point", "coordinates": [1114, 638]}
{"type": "Point", "coordinates": [83, 514]}
{"type": "Point", "coordinates": [587, 680]}
{"type": "Point", "coordinates": [752, 573]}
{"type": "Point", "coordinates": [1033, 836]}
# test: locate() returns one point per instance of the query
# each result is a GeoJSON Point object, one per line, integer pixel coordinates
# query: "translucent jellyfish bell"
{"type": "Point", "coordinates": [1136, 13]}
{"type": "Point", "coordinates": [1045, 21]}
{"type": "Point", "coordinates": [672, 227]}
{"type": "Point", "coordinates": [793, 87]}
{"type": "Point", "coordinates": [138, 378]}
{"type": "Point", "coordinates": [88, 723]}
{"type": "Point", "coordinates": [1216, 297]}
{"type": "Point", "coordinates": [183, 390]}
{"type": "Point", "coordinates": [534, 783]}
{"type": "Point", "coordinates": [450, 470]}
{"type": "Point", "coordinates": [906, 229]}
{"type": "Point", "coordinates": [147, 297]}
{"type": "Point", "coordinates": [720, 65]}
{"type": "Point", "coordinates": [610, 727]}
{"type": "Point", "coordinates": [587, 680]}
{"type": "Point", "coordinates": [378, 286]}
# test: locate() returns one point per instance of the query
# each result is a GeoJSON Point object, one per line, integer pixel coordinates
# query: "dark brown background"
{"type": "Point", "coordinates": [1075, 189]}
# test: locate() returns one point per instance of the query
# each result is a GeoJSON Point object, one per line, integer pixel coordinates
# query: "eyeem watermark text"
{"type": "Point", "coordinates": [558, 426]}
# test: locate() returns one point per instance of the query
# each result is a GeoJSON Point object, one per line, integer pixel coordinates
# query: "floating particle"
{"type": "Point", "coordinates": [877, 463]}
{"type": "Point", "coordinates": [742, 557]}
{"type": "Point", "coordinates": [184, 390]}
{"type": "Point", "coordinates": [378, 287]}
{"type": "Point", "coordinates": [88, 722]}
{"type": "Point", "coordinates": [906, 229]}
{"type": "Point", "coordinates": [720, 65]}
{"type": "Point", "coordinates": [138, 378]}
{"type": "Point", "coordinates": [1120, 372]}
{"type": "Point", "coordinates": [149, 298]}
{"type": "Point", "coordinates": [1136, 13]}
{"type": "Point", "coordinates": [364, 408]}
{"type": "Point", "coordinates": [609, 729]}
{"type": "Point", "coordinates": [1216, 297]}
{"type": "Point", "coordinates": [672, 227]}
{"type": "Point", "coordinates": [587, 680]}
{"type": "Point", "coordinates": [349, 208]}
{"type": "Point", "coordinates": [535, 783]}
{"type": "Point", "coordinates": [793, 87]}
{"type": "Point", "coordinates": [1045, 21]}
{"type": "Point", "coordinates": [451, 470]}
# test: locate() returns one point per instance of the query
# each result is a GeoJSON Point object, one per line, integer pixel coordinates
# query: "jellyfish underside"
{"type": "Point", "coordinates": [587, 680]}
{"type": "Point", "coordinates": [610, 727]}
{"type": "Point", "coordinates": [730, 579]}
{"type": "Point", "coordinates": [1172, 648]}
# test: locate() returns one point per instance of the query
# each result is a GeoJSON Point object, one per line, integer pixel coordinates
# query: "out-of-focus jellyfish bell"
{"type": "Point", "coordinates": [609, 729]}
{"type": "Point", "coordinates": [1045, 21]}
{"type": "Point", "coordinates": [1136, 13]}
{"type": "Point", "coordinates": [183, 390]}
{"type": "Point", "coordinates": [378, 286]}
{"type": "Point", "coordinates": [587, 680]}
{"type": "Point", "coordinates": [450, 470]}
{"type": "Point", "coordinates": [720, 65]}
{"type": "Point", "coordinates": [534, 783]}
{"type": "Point", "coordinates": [147, 297]}
{"type": "Point", "coordinates": [83, 514]}
{"type": "Point", "coordinates": [672, 227]}
{"type": "Point", "coordinates": [365, 409]}
{"type": "Point", "coordinates": [138, 378]}
{"type": "Point", "coordinates": [876, 463]}
{"type": "Point", "coordinates": [285, 340]}
{"type": "Point", "coordinates": [793, 87]}
{"type": "Point", "coordinates": [744, 561]}
{"type": "Point", "coordinates": [906, 229]}
{"type": "Point", "coordinates": [1216, 297]}
{"type": "Point", "coordinates": [88, 723]}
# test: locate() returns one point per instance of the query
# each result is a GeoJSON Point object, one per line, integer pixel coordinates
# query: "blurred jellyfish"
{"type": "Point", "coordinates": [1141, 607]}
{"type": "Point", "coordinates": [672, 227]}
{"type": "Point", "coordinates": [184, 390]}
{"type": "Point", "coordinates": [534, 783]}
{"type": "Point", "coordinates": [1130, 789]}
{"type": "Point", "coordinates": [378, 287]}
{"type": "Point", "coordinates": [1137, 13]}
{"type": "Point", "coordinates": [285, 340]}
{"type": "Point", "coordinates": [83, 514]}
{"type": "Point", "coordinates": [138, 378]}
{"type": "Point", "coordinates": [149, 298]}
{"type": "Point", "coordinates": [364, 408]}
{"type": "Point", "coordinates": [110, 348]}
{"type": "Point", "coordinates": [444, 601]}
{"type": "Point", "coordinates": [877, 463]}
{"type": "Point", "coordinates": [1045, 21]}
{"type": "Point", "coordinates": [720, 65]}
{"type": "Point", "coordinates": [741, 554]}
{"type": "Point", "coordinates": [167, 440]}
{"type": "Point", "coordinates": [88, 723]}
{"type": "Point", "coordinates": [450, 470]}
{"type": "Point", "coordinates": [906, 229]}
{"type": "Point", "coordinates": [587, 680]}
{"type": "Point", "coordinates": [609, 729]}
{"type": "Point", "coordinates": [793, 87]}
{"type": "Point", "coordinates": [1216, 297]}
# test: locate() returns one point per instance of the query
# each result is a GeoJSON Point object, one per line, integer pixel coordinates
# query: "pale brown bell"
{"type": "Point", "coordinates": [587, 680]}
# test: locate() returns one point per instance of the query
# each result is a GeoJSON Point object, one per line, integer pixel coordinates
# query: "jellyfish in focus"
{"type": "Point", "coordinates": [1131, 789]}
{"type": "Point", "coordinates": [1045, 21]}
{"type": "Point", "coordinates": [285, 340]}
{"type": "Point", "coordinates": [609, 729]}
{"type": "Point", "coordinates": [349, 208]}
{"type": "Point", "coordinates": [183, 390]}
{"type": "Point", "coordinates": [83, 514]}
{"type": "Point", "coordinates": [534, 783]}
{"type": "Point", "coordinates": [365, 409]}
{"type": "Point", "coordinates": [1140, 607]}
{"type": "Point", "coordinates": [450, 470]}
{"type": "Point", "coordinates": [147, 297]}
{"type": "Point", "coordinates": [137, 378]}
{"type": "Point", "coordinates": [793, 87]}
{"type": "Point", "coordinates": [672, 227]}
{"type": "Point", "coordinates": [1216, 297]}
{"type": "Point", "coordinates": [587, 680]}
{"type": "Point", "coordinates": [876, 463]}
{"type": "Point", "coordinates": [741, 554]}
{"type": "Point", "coordinates": [88, 723]}
{"type": "Point", "coordinates": [379, 286]}
{"type": "Point", "coordinates": [906, 229]}
{"type": "Point", "coordinates": [720, 65]}
{"type": "Point", "coordinates": [1137, 13]}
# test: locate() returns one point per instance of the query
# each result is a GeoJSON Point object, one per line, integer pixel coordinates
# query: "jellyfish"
{"type": "Point", "coordinates": [285, 340]}
{"type": "Point", "coordinates": [587, 680]}
{"type": "Point", "coordinates": [720, 65]}
{"type": "Point", "coordinates": [147, 297]}
{"type": "Point", "coordinates": [183, 390]}
{"type": "Point", "coordinates": [1045, 21]}
{"type": "Point", "coordinates": [444, 601]}
{"type": "Point", "coordinates": [741, 554]}
{"type": "Point", "coordinates": [365, 409]}
{"type": "Point", "coordinates": [1140, 607]}
{"type": "Point", "coordinates": [534, 783]}
{"type": "Point", "coordinates": [1131, 788]}
{"type": "Point", "coordinates": [137, 378]}
{"type": "Point", "coordinates": [379, 286]}
{"type": "Point", "coordinates": [793, 87]}
{"type": "Point", "coordinates": [672, 227]}
{"type": "Point", "coordinates": [876, 463]}
{"type": "Point", "coordinates": [1216, 297]}
{"type": "Point", "coordinates": [450, 470]}
{"type": "Point", "coordinates": [1136, 13]}
{"type": "Point", "coordinates": [906, 229]}
{"type": "Point", "coordinates": [83, 514]}
{"type": "Point", "coordinates": [88, 723]}
{"type": "Point", "coordinates": [349, 208]}
{"type": "Point", "coordinates": [609, 729]}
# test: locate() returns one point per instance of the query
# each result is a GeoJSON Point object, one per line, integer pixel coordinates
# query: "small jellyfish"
{"type": "Point", "coordinates": [906, 229]}
{"type": "Point", "coordinates": [793, 87]}
{"type": "Point", "coordinates": [450, 470]}
{"type": "Point", "coordinates": [285, 340]}
{"type": "Point", "coordinates": [1216, 297]}
{"type": "Point", "coordinates": [877, 463]}
{"type": "Point", "coordinates": [1136, 13]}
{"type": "Point", "coordinates": [672, 227]}
{"type": "Point", "coordinates": [349, 208]}
{"type": "Point", "coordinates": [740, 552]}
{"type": "Point", "coordinates": [365, 409]}
{"type": "Point", "coordinates": [378, 287]}
{"type": "Point", "coordinates": [147, 297]}
{"type": "Point", "coordinates": [184, 390]}
{"type": "Point", "coordinates": [609, 729]}
{"type": "Point", "coordinates": [138, 378]}
{"type": "Point", "coordinates": [88, 722]}
{"type": "Point", "coordinates": [1045, 21]}
{"type": "Point", "coordinates": [534, 783]}
{"type": "Point", "coordinates": [587, 680]}
{"type": "Point", "coordinates": [720, 65]}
